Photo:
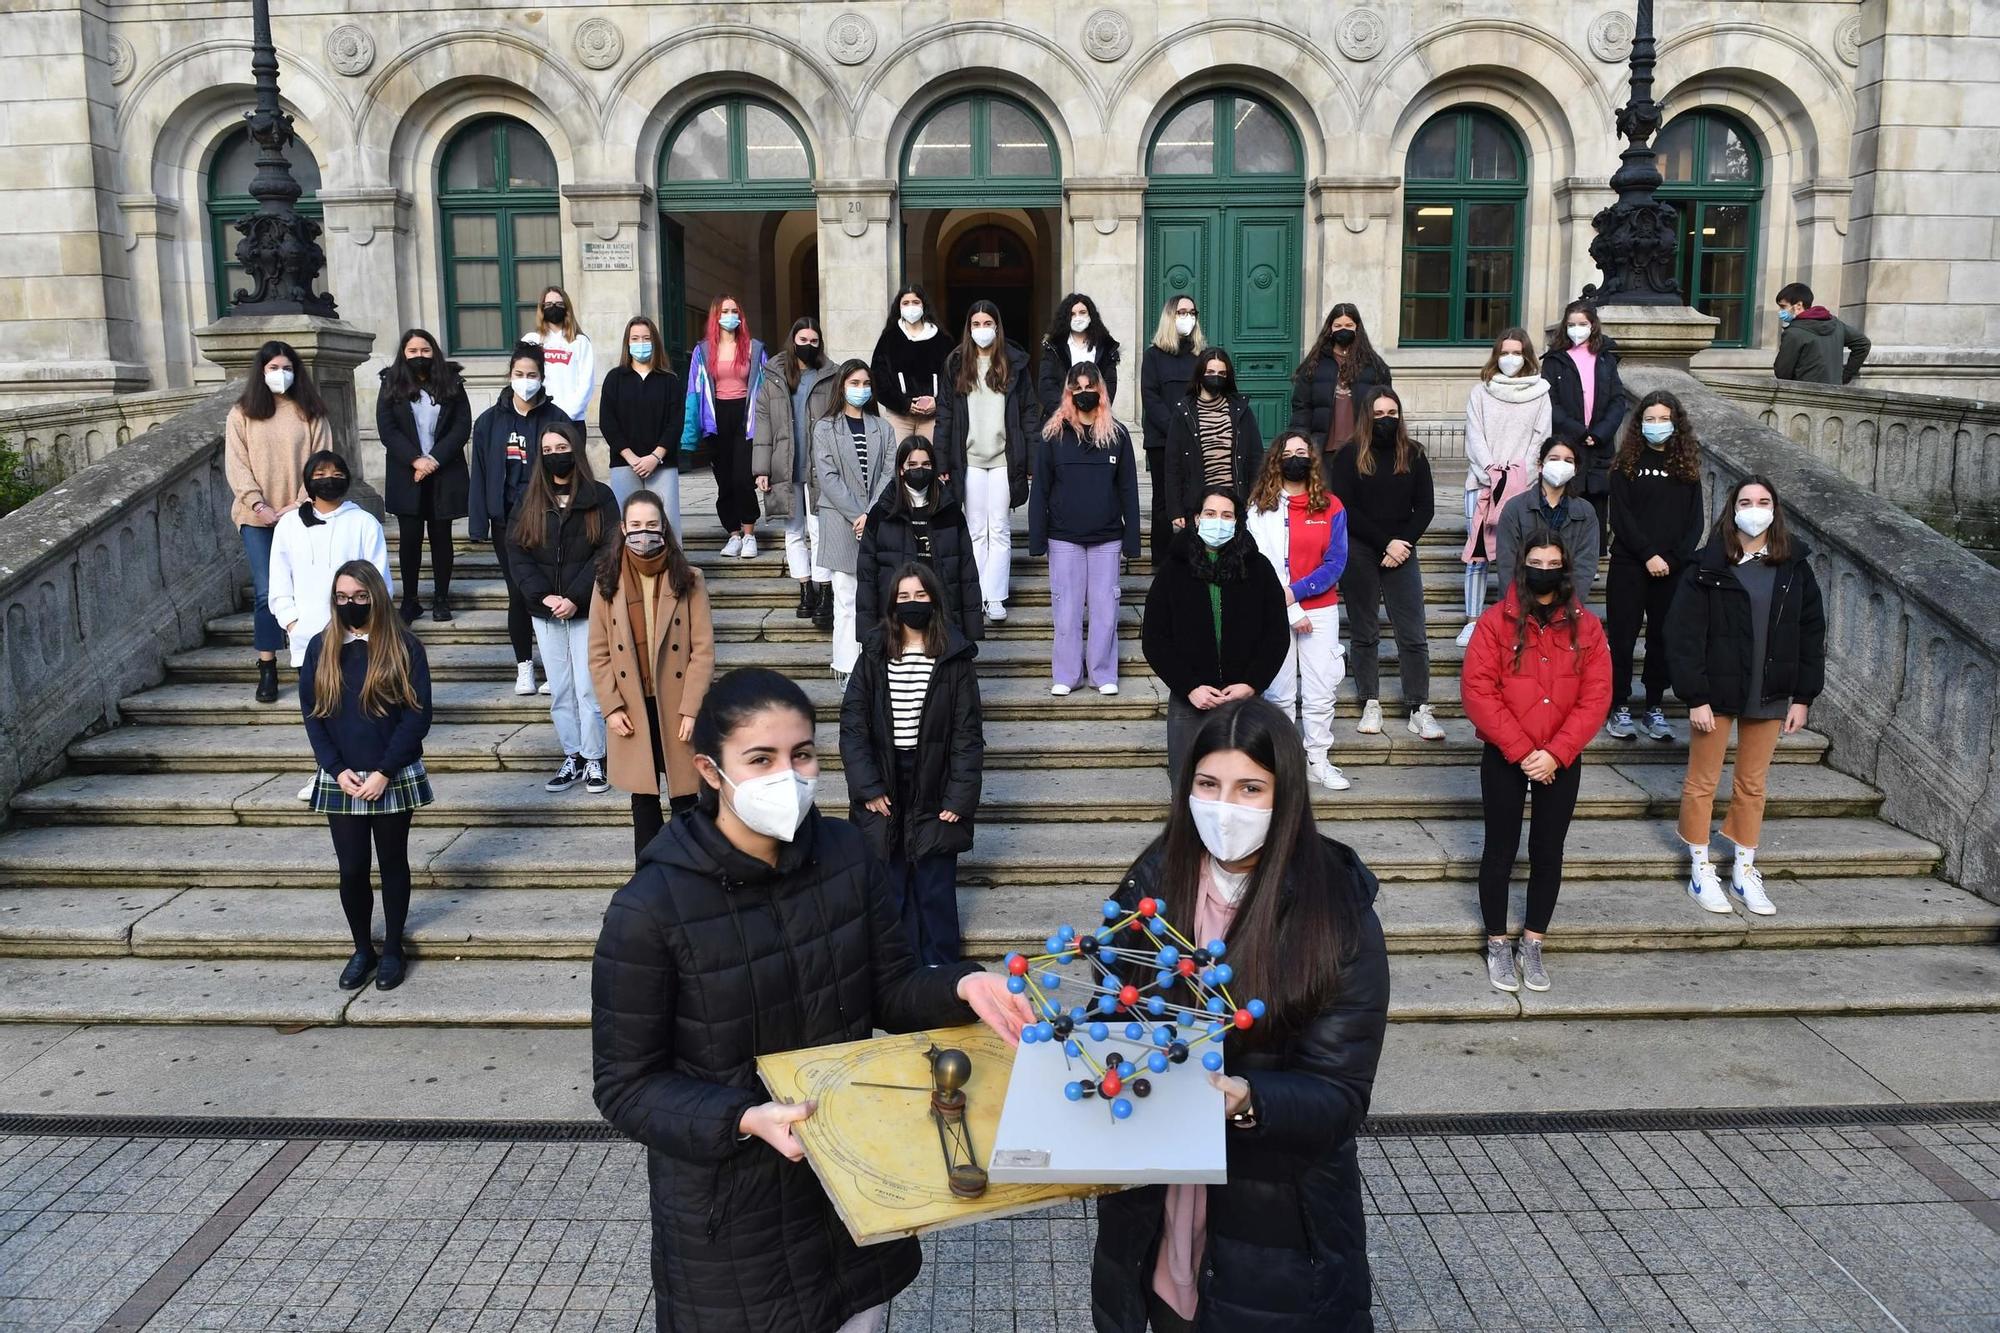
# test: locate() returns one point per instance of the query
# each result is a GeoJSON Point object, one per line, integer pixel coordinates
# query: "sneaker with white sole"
{"type": "Point", "coordinates": [1465, 635]}
{"type": "Point", "coordinates": [1326, 775]}
{"type": "Point", "coordinates": [1108, 688]}
{"type": "Point", "coordinates": [1747, 883]}
{"type": "Point", "coordinates": [1058, 690]}
{"type": "Point", "coordinates": [733, 547]}
{"type": "Point", "coordinates": [1533, 975]}
{"type": "Point", "coordinates": [1656, 726]}
{"type": "Point", "coordinates": [1500, 966]}
{"type": "Point", "coordinates": [996, 610]}
{"type": "Point", "coordinates": [1371, 719]}
{"type": "Point", "coordinates": [1620, 724]}
{"type": "Point", "coordinates": [1423, 724]}
{"type": "Point", "coordinates": [594, 780]}
{"type": "Point", "coordinates": [567, 776]}
{"type": "Point", "coordinates": [543, 688]}
{"type": "Point", "coordinates": [524, 678]}
{"type": "Point", "coordinates": [749, 549]}
{"type": "Point", "coordinates": [1705, 887]}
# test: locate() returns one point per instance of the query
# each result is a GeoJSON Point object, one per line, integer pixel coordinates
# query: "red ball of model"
{"type": "Point", "coordinates": [1185, 967]}
{"type": "Point", "coordinates": [1128, 995]}
{"type": "Point", "coordinates": [1148, 907]}
{"type": "Point", "coordinates": [1018, 965]}
{"type": "Point", "coordinates": [1111, 1085]}
{"type": "Point", "coordinates": [1243, 1018]}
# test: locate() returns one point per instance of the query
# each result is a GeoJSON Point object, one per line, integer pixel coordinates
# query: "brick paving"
{"type": "Point", "coordinates": [1750, 1229]}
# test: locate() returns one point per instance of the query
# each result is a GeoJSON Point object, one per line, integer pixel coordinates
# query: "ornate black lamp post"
{"type": "Point", "coordinates": [280, 249]}
{"type": "Point", "coordinates": [1637, 236]}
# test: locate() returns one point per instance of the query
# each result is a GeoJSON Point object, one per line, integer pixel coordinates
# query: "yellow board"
{"type": "Point", "coordinates": [875, 1149]}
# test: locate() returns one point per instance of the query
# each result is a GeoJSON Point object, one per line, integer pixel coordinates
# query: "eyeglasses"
{"type": "Point", "coordinates": [350, 599]}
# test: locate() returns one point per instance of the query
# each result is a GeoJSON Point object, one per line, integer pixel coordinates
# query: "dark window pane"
{"type": "Point", "coordinates": [1486, 316]}
{"type": "Point", "coordinates": [469, 164]}
{"type": "Point", "coordinates": [1427, 271]}
{"type": "Point", "coordinates": [1489, 224]}
{"type": "Point", "coordinates": [1731, 158]}
{"type": "Point", "coordinates": [1427, 318]}
{"type": "Point", "coordinates": [1723, 274]}
{"type": "Point", "coordinates": [1731, 315]}
{"type": "Point", "coordinates": [1428, 223]}
{"type": "Point", "coordinates": [701, 149]}
{"type": "Point", "coordinates": [1489, 271]}
{"type": "Point", "coordinates": [1017, 146]}
{"type": "Point", "coordinates": [772, 146]}
{"type": "Point", "coordinates": [1434, 153]}
{"type": "Point", "coordinates": [530, 164]}
{"type": "Point", "coordinates": [1675, 146]}
{"type": "Point", "coordinates": [1725, 226]}
{"type": "Point", "coordinates": [1493, 157]}
{"type": "Point", "coordinates": [944, 147]}
{"type": "Point", "coordinates": [235, 162]}
{"type": "Point", "coordinates": [1262, 144]}
{"type": "Point", "coordinates": [1186, 143]}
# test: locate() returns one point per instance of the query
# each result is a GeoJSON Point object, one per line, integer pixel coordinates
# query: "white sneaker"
{"type": "Point", "coordinates": [306, 792]}
{"type": "Point", "coordinates": [524, 678]}
{"type": "Point", "coordinates": [1706, 889]}
{"type": "Point", "coordinates": [1747, 883]}
{"type": "Point", "coordinates": [734, 546]}
{"type": "Point", "coordinates": [1371, 719]}
{"type": "Point", "coordinates": [1108, 689]}
{"type": "Point", "coordinates": [1465, 635]}
{"type": "Point", "coordinates": [996, 610]}
{"type": "Point", "coordinates": [1424, 725]}
{"type": "Point", "coordinates": [1327, 775]}
{"type": "Point", "coordinates": [1059, 690]}
{"type": "Point", "coordinates": [749, 549]}
{"type": "Point", "coordinates": [543, 688]}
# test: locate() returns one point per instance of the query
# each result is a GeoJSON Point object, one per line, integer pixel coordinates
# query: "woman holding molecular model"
{"type": "Point", "coordinates": [1282, 1247]}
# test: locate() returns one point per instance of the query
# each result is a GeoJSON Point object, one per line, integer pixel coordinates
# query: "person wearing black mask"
{"type": "Point", "coordinates": [919, 520]}
{"type": "Point", "coordinates": [1340, 373]}
{"type": "Point", "coordinates": [1212, 439]}
{"type": "Point", "coordinates": [911, 744]}
{"type": "Point", "coordinates": [798, 389]}
{"type": "Point", "coordinates": [424, 420]}
{"type": "Point", "coordinates": [1165, 371]}
{"type": "Point", "coordinates": [504, 450]}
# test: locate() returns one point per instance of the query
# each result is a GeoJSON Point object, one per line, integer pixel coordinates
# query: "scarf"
{"type": "Point", "coordinates": [635, 568]}
{"type": "Point", "coordinates": [1517, 389]}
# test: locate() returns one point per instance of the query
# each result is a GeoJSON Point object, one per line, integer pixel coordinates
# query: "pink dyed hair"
{"type": "Point", "coordinates": [711, 333]}
{"type": "Point", "coordinates": [1103, 430]}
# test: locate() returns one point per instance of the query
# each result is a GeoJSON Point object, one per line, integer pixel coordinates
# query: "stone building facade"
{"type": "Point", "coordinates": [1437, 163]}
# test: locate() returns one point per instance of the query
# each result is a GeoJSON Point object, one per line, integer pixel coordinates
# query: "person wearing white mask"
{"type": "Point", "coordinates": [1507, 416]}
{"type": "Point", "coordinates": [1282, 1246]}
{"type": "Point", "coordinates": [1553, 505]}
{"type": "Point", "coordinates": [908, 364]}
{"type": "Point", "coordinates": [1657, 522]}
{"type": "Point", "coordinates": [1588, 402]}
{"type": "Point", "coordinates": [756, 925]}
{"type": "Point", "coordinates": [1746, 644]}
{"type": "Point", "coordinates": [1076, 335]}
{"type": "Point", "coordinates": [988, 420]}
{"type": "Point", "coordinates": [506, 443]}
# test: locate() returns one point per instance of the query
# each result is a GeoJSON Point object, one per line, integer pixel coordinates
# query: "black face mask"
{"type": "Point", "coordinates": [559, 466]}
{"type": "Point", "coordinates": [809, 354]}
{"type": "Point", "coordinates": [1215, 383]}
{"type": "Point", "coordinates": [420, 367]}
{"type": "Point", "coordinates": [914, 615]}
{"type": "Point", "coordinates": [327, 488]}
{"type": "Point", "coordinates": [353, 615]}
{"type": "Point", "coordinates": [1543, 581]}
{"type": "Point", "coordinates": [1296, 468]}
{"type": "Point", "coordinates": [556, 313]}
{"type": "Point", "coordinates": [1341, 337]}
{"type": "Point", "coordinates": [919, 478]}
{"type": "Point", "coordinates": [1384, 432]}
{"type": "Point", "coordinates": [1086, 400]}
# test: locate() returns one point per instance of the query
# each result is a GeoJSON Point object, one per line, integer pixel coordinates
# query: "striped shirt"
{"type": "Point", "coordinates": [909, 679]}
{"type": "Point", "coordinates": [1212, 424]}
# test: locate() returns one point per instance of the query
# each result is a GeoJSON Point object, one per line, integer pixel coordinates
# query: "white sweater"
{"type": "Point", "coordinates": [569, 370]}
{"type": "Point", "coordinates": [304, 560]}
{"type": "Point", "coordinates": [1506, 419]}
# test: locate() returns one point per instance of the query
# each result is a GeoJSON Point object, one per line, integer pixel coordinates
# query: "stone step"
{"type": "Point", "coordinates": [459, 747]}
{"type": "Point", "coordinates": [1009, 795]}
{"type": "Point", "coordinates": [553, 923]}
{"type": "Point", "coordinates": [450, 855]}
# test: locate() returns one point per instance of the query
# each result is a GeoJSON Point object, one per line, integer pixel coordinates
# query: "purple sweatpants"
{"type": "Point", "coordinates": [1083, 580]}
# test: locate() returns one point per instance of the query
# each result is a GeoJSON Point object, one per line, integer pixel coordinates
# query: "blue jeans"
{"type": "Point", "coordinates": [268, 635]}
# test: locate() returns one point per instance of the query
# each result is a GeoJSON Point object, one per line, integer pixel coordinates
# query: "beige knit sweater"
{"type": "Point", "coordinates": [266, 460]}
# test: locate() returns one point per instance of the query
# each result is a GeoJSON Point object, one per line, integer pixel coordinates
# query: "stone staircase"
{"type": "Point", "coordinates": [172, 877]}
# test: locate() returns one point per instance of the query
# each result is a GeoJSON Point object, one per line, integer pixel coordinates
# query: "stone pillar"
{"type": "Point", "coordinates": [858, 261]}
{"type": "Point", "coordinates": [1350, 223]}
{"type": "Point", "coordinates": [1578, 200]}
{"type": "Point", "coordinates": [1106, 257]}
{"type": "Point", "coordinates": [1820, 206]}
{"type": "Point", "coordinates": [364, 230]}
{"type": "Point", "coordinates": [1655, 335]}
{"type": "Point", "coordinates": [154, 226]}
{"type": "Point", "coordinates": [613, 224]}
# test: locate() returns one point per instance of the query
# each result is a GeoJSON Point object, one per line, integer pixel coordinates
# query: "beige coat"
{"type": "Point", "coordinates": [683, 656]}
{"type": "Point", "coordinates": [266, 460]}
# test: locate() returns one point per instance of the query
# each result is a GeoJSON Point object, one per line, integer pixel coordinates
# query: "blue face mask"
{"type": "Point", "coordinates": [858, 395]}
{"type": "Point", "coordinates": [730, 322]}
{"type": "Point", "coordinates": [1657, 432]}
{"type": "Point", "coordinates": [1785, 318]}
{"type": "Point", "coordinates": [1216, 532]}
{"type": "Point", "coordinates": [642, 351]}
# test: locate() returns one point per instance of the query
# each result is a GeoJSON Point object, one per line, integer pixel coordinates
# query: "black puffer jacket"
{"type": "Point", "coordinates": [505, 445]}
{"type": "Point", "coordinates": [1024, 424]}
{"type": "Point", "coordinates": [1287, 1244]}
{"type": "Point", "coordinates": [708, 958]}
{"type": "Point", "coordinates": [1163, 384]}
{"type": "Point", "coordinates": [1179, 629]}
{"type": "Point", "coordinates": [951, 748]}
{"type": "Point", "coordinates": [1608, 405]}
{"type": "Point", "coordinates": [890, 539]}
{"type": "Point", "coordinates": [1314, 392]}
{"type": "Point", "coordinates": [1186, 477]}
{"type": "Point", "coordinates": [1053, 371]}
{"type": "Point", "coordinates": [1709, 634]}
{"type": "Point", "coordinates": [564, 562]}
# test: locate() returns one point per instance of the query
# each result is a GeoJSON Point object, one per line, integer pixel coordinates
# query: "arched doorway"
{"type": "Point", "coordinates": [1225, 221]}
{"type": "Point", "coordinates": [1465, 193]}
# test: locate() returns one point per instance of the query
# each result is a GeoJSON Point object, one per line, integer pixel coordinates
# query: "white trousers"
{"type": "Point", "coordinates": [1314, 665]}
{"type": "Point", "coordinates": [802, 540]}
{"type": "Point", "coordinates": [989, 513]}
{"type": "Point", "coordinates": [846, 648]}
{"type": "Point", "coordinates": [665, 483]}
{"type": "Point", "coordinates": [565, 646]}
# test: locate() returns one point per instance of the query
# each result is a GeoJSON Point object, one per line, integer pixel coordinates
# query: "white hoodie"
{"type": "Point", "coordinates": [305, 559]}
{"type": "Point", "coordinates": [569, 370]}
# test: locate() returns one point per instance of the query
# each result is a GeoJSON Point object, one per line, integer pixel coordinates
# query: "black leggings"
{"type": "Point", "coordinates": [520, 623]}
{"type": "Point", "coordinates": [647, 817]}
{"type": "Point", "coordinates": [1503, 788]}
{"type": "Point", "coordinates": [411, 529]}
{"type": "Point", "coordinates": [729, 459]}
{"type": "Point", "coordinates": [1630, 593]}
{"type": "Point", "coordinates": [391, 834]}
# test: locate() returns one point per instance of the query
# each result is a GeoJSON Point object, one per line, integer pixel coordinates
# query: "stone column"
{"type": "Point", "coordinates": [1820, 206]}
{"type": "Point", "coordinates": [154, 224]}
{"type": "Point", "coordinates": [1578, 200]}
{"type": "Point", "coordinates": [858, 261]}
{"type": "Point", "coordinates": [613, 225]}
{"type": "Point", "coordinates": [1106, 257]}
{"type": "Point", "coordinates": [365, 228]}
{"type": "Point", "coordinates": [1350, 223]}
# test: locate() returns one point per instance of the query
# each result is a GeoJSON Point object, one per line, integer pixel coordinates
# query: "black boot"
{"type": "Point", "coordinates": [267, 680]}
{"type": "Point", "coordinates": [823, 606]}
{"type": "Point", "coordinates": [440, 608]}
{"type": "Point", "coordinates": [807, 604]}
{"type": "Point", "coordinates": [412, 610]}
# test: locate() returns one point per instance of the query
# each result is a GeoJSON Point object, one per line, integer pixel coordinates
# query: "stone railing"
{"type": "Point", "coordinates": [58, 440]}
{"type": "Point", "coordinates": [102, 577]}
{"type": "Point", "coordinates": [1938, 458]}
{"type": "Point", "coordinates": [1913, 635]}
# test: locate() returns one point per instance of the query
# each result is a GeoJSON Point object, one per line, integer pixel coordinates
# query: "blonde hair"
{"type": "Point", "coordinates": [1529, 364]}
{"type": "Point", "coordinates": [1168, 338]}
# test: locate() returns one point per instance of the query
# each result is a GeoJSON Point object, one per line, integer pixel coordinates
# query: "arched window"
{"type": "Point", "coordinates": [502, 232]}
{"type": "Point", "coordinates": [1230, 135]}
{"type": "Point", "coordinates": [1465, 190]}
{"type": "Point", "coordinates": [981, 151]}
{"type": "Point", "coordinates": [229, 176]}
{"type": "Point", "coordinates": [1715, 178]}
{"type": "Point", "coordinates": [735, 154]}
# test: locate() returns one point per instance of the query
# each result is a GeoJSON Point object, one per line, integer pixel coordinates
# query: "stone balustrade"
{"type": "Point", "coordinates": [1913, 632]}
{"type": "Point", "coordinates": [121, 564]}
{"type": "Point", "coordinates": [58, 440]}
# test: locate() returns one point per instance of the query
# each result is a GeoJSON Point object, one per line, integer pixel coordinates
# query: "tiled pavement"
{"type": "Point", "coordinates": [1741, 1229]}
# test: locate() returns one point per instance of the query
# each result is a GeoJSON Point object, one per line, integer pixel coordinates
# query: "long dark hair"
{"type": "Point", "coordinates": [1000, 369]}
{"type": "Point", "coordinates": [611, 565]}
{"type": "Point", "coordinates": [258, 402]}
{"type": "Point", "coordinates": [531, 515]}
{"type": "Point", "coordinates": [1361, 354]}
{"type": "Point", "coordinates": [1682, 455]}
{"type": "Point", "coordinates": [1231, 556]}
{"type": "Point", "coordinates": [1777, 541]}
{"type": "Point", "coordinates": [1560, 341]}
{"type": "Point", "coordinates": [1201, 361]}
{"type": "Point", "coordinates": [733, 700]}
{"type": "Point", "coordinates": [896, 307]}
{"type": "Point", "coordinates": [401, 385]}
{"type": "Point", "coordinates": [936, 633]}
{"type": "Point", "coordinates": [837, 402]}
{"type": "Point", "coordinates": [1565, 602]}
{"type": "Point", "coordinates": [1099, 337]}
{"type": "Point", "coordinates": [793, 370]}
{"type": "Point", "coordinates": [1268, 491]}
{"type": "Point", "coordinates": [1294, 928]}
{"type": "Point", "coordinates": [386, 682]}
{"type": "Point", "coordinates": [898, 496]}
{"type": "Point", "coordinates": [1408, 450]}
{"type": "Point", "coordinates": [660, 361]}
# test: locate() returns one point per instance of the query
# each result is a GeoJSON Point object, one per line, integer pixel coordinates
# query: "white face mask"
{"type": "Point", "coordinates": [1577, 332]}
{"type": "Point", "coordinates": [278, 381]}
{"type": "Point", "coordinates": [1510, 364]}
{"type": "Point", "coordinates": [1558, 471]}
{"type": "Point", "coordinates": [1230, 832]}
{"type": "Point", "coordinates": [525, 386]}
{"type": "Point", "coordinates": [773, 805]}
{"type": "Point", "coordinates": [1079, 323]}
{"type": "Point", "coordinates": [1754, 522]}
{"type": "Point", "coordinates": [1184, 325]}
{"type": "Point", "coordinates": [983, 337]}
{"type": "Point", "coordinates": [913, 314]}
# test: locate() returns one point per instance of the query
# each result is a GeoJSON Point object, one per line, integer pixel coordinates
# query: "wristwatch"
{"type": "Point", "coordinates": [1245, 1118]}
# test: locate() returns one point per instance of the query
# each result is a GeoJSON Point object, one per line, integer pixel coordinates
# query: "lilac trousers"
{"type": "Point", "coordinates": [1083, 583]}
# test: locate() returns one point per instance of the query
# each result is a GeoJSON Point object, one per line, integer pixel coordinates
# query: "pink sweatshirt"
{"type": "Point", "coordinates": [1586, 366]}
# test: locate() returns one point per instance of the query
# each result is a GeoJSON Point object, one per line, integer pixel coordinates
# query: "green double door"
{"type": "Point", "coordinates": [1242, 264]}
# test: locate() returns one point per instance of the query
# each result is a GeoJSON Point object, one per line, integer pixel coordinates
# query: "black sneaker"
{"type": "Point", "coordinates": [594, 780]}
{"type": "Point", "coordinates": [412, 612]}
{"type": "Point", "coordinates": [355, 975]}
{"type": "Point", "coordinates": [567, 776]}
{"type": "Point", "coordinates": [267, 681]}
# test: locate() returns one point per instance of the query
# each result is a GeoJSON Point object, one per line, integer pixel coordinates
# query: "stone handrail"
{"type": "Point", "coordinates": [102, 577]}
{"type": "Point", "coordinates": [1913, 635]}
{"type": "Point", "coordinates": [60, 439]}
{"type": "Point", "coordinates": [1937, 457]}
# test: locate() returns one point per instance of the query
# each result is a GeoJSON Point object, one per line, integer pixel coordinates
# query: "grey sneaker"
{"type": "Point", "coordinates": [1656, 726]}
{"type": "Point", "coordinates": [1620, 724]}
{"type": "Point", "coordinates": [1500, 966]}
{"type": "Point", "coordinates": [1533, 974]}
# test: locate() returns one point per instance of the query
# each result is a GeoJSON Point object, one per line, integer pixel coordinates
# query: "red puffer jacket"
{"type": "Point", "coordinates": [1557, 699]}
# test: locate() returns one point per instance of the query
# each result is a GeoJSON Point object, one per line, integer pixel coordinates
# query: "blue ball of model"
{"type": "Point", "coordinates": [1212, 1061]}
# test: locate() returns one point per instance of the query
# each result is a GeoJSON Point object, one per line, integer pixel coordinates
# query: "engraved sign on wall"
{"type": "Point", "coordinates": [606, 256]}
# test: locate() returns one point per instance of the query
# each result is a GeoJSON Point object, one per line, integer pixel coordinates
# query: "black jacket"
{"type": "Point", "coordinates": [1314, 392]}
{"type": "Point", "coordinates": [1179, 630]}
{"type": "Point", "coordinates": [951, 748]}
{"type": "Point", "coordinates": [890, 539]}
{"type": "Point", "coordinates": [1024, 425]}
{"type": "Point", "coordinates": [1608, 408]}
{"type": "Point", "coordinates": [1287, 1243]}
{"type": "Point", "coordinates": [642, 413]}
{"type": "Point", "coordinates": [1083, 494]}
{"type": "Point", "coordinates": [1053, 370]}
{"type": "Point", "coordinates": [505, 445]}
{"type": "Point", "coordinates": [707, 959]}
{"type": "Point", "coordinates": [903, 370]}
{"type": "Point", "coordinates": [1387, 504]}
{"type": "Point", "coordinates": [396, 424]}
{"type": "Point", "coordinates": [564, 563]}
{"type": "Point", "coordinates": [354, 738]}
{"type": "Point", "coordinates": [1709, 636]}
{"type": "Point", "coordinates": [1186, 478]}
{"type": "Point", "coordinates": [1163, 382]}
{"type": "Point", "coordinates": [1654, 514]}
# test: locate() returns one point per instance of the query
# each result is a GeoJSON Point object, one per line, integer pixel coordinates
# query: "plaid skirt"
{"type": "Point", "coordinates": [408, 790]}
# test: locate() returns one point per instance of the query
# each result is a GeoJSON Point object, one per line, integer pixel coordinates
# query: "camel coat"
{"type": "Point", "coordinates": [683, 655]}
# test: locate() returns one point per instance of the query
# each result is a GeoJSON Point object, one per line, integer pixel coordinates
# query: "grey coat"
{"type": "Point", "coordinates": [1520, 518]}
{"type": "Point", "coordinates": [776, 453]}
{"type": "Point", "coordinates": [838, 491]}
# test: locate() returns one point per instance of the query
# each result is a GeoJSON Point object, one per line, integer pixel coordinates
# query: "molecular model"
{"type": "Point", "coordinates": [1153, 1014]}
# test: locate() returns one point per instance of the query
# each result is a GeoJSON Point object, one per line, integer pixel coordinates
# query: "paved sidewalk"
{"type": "Point", "coordinates": [1882, 1228]}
